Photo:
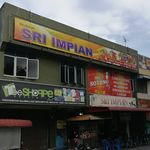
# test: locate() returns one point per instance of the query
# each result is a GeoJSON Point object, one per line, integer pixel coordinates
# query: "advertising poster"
{"type": "Point", "coordinates": [144, 103]}
{"type": "Point", "coordinates": [144, 65]}
{"type": "Point", "coordinates": [98, 81]}
{"type": "Point", "coordinates": [36, 93]}
{"type": "Point", "coordinates": [120, 85]}
{"type": "Point", "coordinates": [39, 35]}
{"type": "Point", "coordinates": [144, 62]}
{"type": "Point", "coordinates": [108, 83]}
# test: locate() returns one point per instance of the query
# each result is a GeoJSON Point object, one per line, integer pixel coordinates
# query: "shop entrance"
{"type": "Point", "coordinates": [83, 133]}
{"type": "Point", "coordinates": [10, 133]}
{"type": "Point", "coordinates": [10, 138]}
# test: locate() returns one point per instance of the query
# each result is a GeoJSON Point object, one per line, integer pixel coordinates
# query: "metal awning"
{"type": "Point", "coordinates": [128, 109]}
{"type": "Point", "coordinates": [106, 109]}
{"type": "Point", "coordinates": [15, 123]}
{"type": "Point", "coordinates": [143, 77]}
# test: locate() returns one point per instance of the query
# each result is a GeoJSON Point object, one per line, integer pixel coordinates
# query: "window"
{"type": "Point", "coordinates": [142, 86]}
{"type": "Point", "coordinates": [64, 74]}
{"type": "Point", "coordinates": [9, 65]}
{"type": "Point", "coordinates": [72, 74]}
{"type": "Point", "coordinates": [33, 66]}
{"type": "Point", "coordinates": [80, 76]}
{"type": "Point", "coordinates": [21, 67]}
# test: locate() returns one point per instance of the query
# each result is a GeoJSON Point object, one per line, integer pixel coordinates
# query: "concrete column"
{"type": "Point", "coordinates": [52, 134]}
{"type": "Point", "coordinates": [127, 128]}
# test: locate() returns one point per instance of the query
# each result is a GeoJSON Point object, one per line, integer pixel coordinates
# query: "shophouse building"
{"type": "Point", "coordinates": [143, 89]}
{"type": "Point", "coordinates": [50, 72]}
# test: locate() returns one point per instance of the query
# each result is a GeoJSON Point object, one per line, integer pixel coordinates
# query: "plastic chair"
{"type": "Point", "coordinates": [105, 144]}
{"type": "Point", "coordinates": [117, 144]}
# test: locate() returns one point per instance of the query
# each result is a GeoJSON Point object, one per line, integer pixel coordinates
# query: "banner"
{"type": "Point", "coordinates": [120, 85]}
{"type": "Point", "coordinates": [109, 83]}
{"type": "Point", "coordinates": [144, 65]}
{"type": "Point", "coordinates": [144, 103]}
{"type": "Point", "coordinates": [111, 101]}
{"type": "Point", "coordinates": [98, 81]}
{"type": "Point", "coordinates": [35, 93]}
{"type": "Point", "coordinates": [46, 37]}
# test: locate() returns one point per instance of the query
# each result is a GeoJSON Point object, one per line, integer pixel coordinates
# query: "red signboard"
{"type": "Point", "coordinates": [144, 103]}
{"type": "Point", "coordinates": [98, 81]}
{"type": "Point", "coordinates": [108, 83]}
{"type": "Point", "coordinates": [120, 85]}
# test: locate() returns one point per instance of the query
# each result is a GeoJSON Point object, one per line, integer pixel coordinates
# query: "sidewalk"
{"type": "Point", "coordinates": [139, 148]}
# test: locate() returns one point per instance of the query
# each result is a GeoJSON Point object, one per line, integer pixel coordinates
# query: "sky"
{"type": "Point", "coordinates": [126, 22]}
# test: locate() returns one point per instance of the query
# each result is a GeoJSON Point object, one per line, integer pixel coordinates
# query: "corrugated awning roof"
{"type": "Point", "coordinates": [106, 109]}
{"type": "Point", "coordinates": [127, 109]}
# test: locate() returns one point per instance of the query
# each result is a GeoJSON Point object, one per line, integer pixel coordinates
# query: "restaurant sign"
{"type": "Point", "coordinates": [111, 101]}
{"type": "Point", "coordinates": [39, 35]}
{"type": "Point", "coordinates": [35, 93]}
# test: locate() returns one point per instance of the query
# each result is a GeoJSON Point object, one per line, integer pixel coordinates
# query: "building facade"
{"type": "Point", "coordinates": [143, 88]}
{"type": "Point", "coordinates": [50, 72]}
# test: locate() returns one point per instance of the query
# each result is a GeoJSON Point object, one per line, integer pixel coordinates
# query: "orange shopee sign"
{"type": "Point", "coordinates": [39, 35]}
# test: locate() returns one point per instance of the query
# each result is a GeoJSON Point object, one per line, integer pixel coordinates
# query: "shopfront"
{"type": "Point", "coordinates": [10, 132]}
{"type": "Point", "coordinates": [39, 104]}
{"type": "Point", "coordinates": [111, 92]}
{"type": "Point", "coordinates": [83, 131]}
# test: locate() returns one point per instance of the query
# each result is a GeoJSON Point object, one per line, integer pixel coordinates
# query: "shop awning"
{"type": "Point", "coordinates": [86, 117]}
{"type": "Point", "coordinates": [106, 109]}
{"type": "Point", "coordinates": [15, 123]}
{"type": "Point", "coordinates": [128, 109]}
{"type": "Point", "coordinates": [143, 76]}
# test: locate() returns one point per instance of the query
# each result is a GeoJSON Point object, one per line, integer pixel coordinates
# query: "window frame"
{"type": "Point", "coordinates": [14, 70]}
{"type": "Point", "coordinates": [143, 84]}
{"type": "Point", "coordinates": [37, 60]}
{"type": "Point", "coordinates": [15, 67]}
{"type": "Point", "coordinates": [66, 79]}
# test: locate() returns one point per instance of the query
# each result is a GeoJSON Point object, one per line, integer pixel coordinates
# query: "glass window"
{"type": "Point", "coordinates": [21, 67]}
{"type": "Point", "coordinates": [80, 76]}
{"type": "Point", "coordinates": [142, 86]}
{"type": "Point", "coordinates": [63, 73]}
{"type": "Point", "coordinates": [72, 74]}
{"type": "Point", "coordinates": [33, 66]}
{"type": "Point", "coordinates": [8, 65]}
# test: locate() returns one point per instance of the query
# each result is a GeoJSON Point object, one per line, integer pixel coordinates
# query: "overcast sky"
{"type": "Point", "coordinates": [113, 20]}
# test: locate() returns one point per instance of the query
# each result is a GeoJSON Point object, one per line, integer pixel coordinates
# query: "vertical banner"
{"type": "Point", "coordinates": [98, 81]}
